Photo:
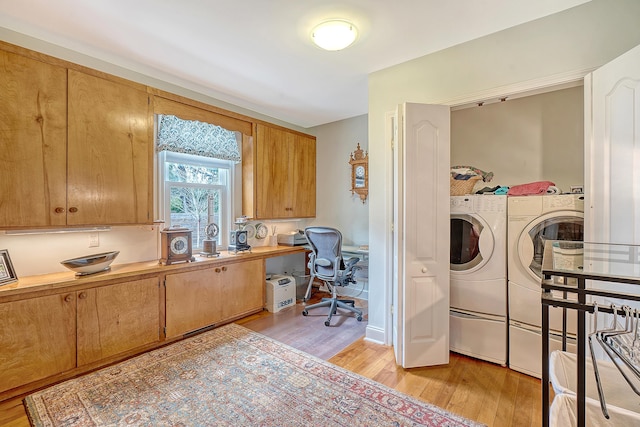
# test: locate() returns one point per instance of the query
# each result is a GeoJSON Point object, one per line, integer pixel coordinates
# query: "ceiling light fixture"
{"type": "Point", "coordinates": [335, 34]}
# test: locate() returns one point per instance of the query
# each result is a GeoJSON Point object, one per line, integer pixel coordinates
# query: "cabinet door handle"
{"type": "Point", "coordinates": [217, 270]}
{"type": "Point", "coordinates": [82, 295]}
{"type": "Point", "coordinates": [58, 210]}
{"type": "Point", "coordinates": [224, 268]}
{"type": "Point", "coordinates": [68, 298]}
{"type": "Point", "coordinates": [73, 209]}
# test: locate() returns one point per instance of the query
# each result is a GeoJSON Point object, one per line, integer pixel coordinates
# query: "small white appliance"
{"type": "Point", "coordinates": [531, 221]}
{"type": "Point", "coordinates": [292, 238]}
{"type": "Point", "coordinates": [478, 277]}
{"type": "Point", "coordinates": [281, 292]}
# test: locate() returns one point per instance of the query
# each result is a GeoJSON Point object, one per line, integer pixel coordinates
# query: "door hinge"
{"type": "Point", "coordinates": [391, 309]}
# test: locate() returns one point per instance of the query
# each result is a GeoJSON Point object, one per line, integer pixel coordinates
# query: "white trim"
{"type": "Point", "coordinates": [375, 335]}
{"type": "Point", "coordinates": [518, 90]}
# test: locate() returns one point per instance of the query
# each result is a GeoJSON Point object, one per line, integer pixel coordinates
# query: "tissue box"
{"type": "Point", "coordinates": [281, 293]}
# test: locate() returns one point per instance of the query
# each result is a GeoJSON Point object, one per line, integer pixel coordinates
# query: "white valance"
{"type": "Point", "coordinates": [198, 138]}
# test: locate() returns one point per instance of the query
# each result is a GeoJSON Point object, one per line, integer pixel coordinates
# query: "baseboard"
{"type": "Point", "coordinates": [374, 334]}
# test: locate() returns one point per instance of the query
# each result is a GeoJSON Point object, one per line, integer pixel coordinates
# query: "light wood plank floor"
{"type": "Point", "coordinates": [478, 390]}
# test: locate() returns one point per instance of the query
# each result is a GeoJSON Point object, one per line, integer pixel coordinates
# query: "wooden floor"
{"type": "Point", "coordinates": [478, 390]}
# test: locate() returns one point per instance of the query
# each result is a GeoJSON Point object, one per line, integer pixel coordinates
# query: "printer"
{"type": "Point", "coordinates": [292, 238]}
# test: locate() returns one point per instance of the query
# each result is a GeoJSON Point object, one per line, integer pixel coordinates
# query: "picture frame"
{"type": "Point", "coordinates": [576, 189]}
{"type": "Point", "coordinates": [7, 273]}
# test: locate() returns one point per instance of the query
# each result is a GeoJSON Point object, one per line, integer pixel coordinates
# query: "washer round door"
{"type": "Point", "coordinates": [560, 225]}
{"type": "Point", "coordinates": [472, 243]}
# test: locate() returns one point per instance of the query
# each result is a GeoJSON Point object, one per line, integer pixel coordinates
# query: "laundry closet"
{"type": "Point", "coordinates": [521, 139]}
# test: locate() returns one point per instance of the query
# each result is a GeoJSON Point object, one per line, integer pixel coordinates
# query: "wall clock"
{"type": "Point", "coordinates": [359, 161]}
{"type": "Point", "coordinates": [176, 245]}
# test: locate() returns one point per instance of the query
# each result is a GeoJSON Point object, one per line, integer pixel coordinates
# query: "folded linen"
{"type": "Point", "coordinates": [531, 188]}
{"type": "Point", "coordinates": [553, 190]}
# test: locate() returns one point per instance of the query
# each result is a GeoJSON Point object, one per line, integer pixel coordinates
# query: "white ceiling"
{"type": "Point", "coordinates": [257, 54]}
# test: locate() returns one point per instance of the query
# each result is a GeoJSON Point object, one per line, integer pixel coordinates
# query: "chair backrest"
{"type": "Point", "coordinates": [325, 261]}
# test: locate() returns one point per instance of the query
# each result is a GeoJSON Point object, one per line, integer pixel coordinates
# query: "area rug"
{"type": "Point", "coordinates": [229, 376]}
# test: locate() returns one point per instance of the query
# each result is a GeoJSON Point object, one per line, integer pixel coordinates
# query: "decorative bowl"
{"type": "Point", "coordinates": [91, 264]}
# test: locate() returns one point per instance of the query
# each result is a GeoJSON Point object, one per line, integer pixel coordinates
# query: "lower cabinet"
{"type": "Point", "coordinates": [117, 318]}
{"type": "Point", "coordinates": [48, 335]}
{"type": "Point", "coordinates": [37, 338]}
{"type": "Point", "coordinates": [201, 298]}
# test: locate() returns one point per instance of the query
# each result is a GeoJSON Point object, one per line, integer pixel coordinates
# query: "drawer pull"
{"type": "Point", "coordinates": [73, 209]}
{"type": "Point", "coordinates": [82, 295]}
{"type": "Point", "coordinates": [68, 298]}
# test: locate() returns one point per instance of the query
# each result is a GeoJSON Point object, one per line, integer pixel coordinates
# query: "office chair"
{"type": "Point", "coordinates": [326, 263]}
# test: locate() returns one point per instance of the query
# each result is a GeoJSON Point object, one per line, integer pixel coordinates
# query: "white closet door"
{"type": "Point", "coordinates": [612, 163]}
{"type": "Point", "coordinates": [421, 235]}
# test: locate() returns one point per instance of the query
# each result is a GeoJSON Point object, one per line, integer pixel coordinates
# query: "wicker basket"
{"type": "Point", "coordinates": [461, 187]}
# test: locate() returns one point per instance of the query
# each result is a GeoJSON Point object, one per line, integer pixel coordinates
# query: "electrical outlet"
{"type": "Point", "coordinates": [94, 240]}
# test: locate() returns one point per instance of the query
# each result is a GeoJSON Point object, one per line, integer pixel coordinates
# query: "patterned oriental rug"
{"type": "Point", "coordinates": [229, 376]}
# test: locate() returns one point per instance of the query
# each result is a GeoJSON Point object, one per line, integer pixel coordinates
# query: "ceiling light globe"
{"type": "Point", "coordinates": [334, 34]}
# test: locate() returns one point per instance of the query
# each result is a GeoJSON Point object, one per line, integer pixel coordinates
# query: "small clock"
{"type": "Point", "coordinates": [238, 241]}
{"type": "Point", "coordinates": [176, 245]}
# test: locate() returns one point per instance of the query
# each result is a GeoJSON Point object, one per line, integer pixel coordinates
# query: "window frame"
{"type": "Point", "coordinates": [227, 191]}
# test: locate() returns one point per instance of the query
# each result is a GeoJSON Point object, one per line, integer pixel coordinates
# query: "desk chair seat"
{"type": "Point", "coordinates": [326, 264]}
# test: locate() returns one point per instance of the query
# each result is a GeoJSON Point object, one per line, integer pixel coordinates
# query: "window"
{"type": "Point", "coordinates": [194, 192]}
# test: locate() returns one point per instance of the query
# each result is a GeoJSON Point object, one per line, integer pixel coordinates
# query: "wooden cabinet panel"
{"type": "Point", "coordinates": [33, 136]}
{"type": "Point", "coordinates": [37, 339]}
{"type": "Point", "coordinates": [117, 318]}
{"type": "Point", "coordinates": [192, 301]}
{"type": "Point", "coordinates": [303, 167]}
{"type": "Point", "coordinates": [201, 298]}
{"type": "Point", "coordinates": [283, 176]}
{"type": "Point", "coordinates": [110, 166]}
{"type": "Point", "coordinates": [273, 198]}
{"type": "Point", "coordinates": [242, 288]}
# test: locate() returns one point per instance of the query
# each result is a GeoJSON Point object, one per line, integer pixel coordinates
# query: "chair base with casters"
{"type": "Point", "coordinates": [334, 302]}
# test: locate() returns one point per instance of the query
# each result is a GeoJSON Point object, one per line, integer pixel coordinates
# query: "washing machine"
{"type": "Point", "coordinates": [532, 220]}
{"type": "Point", "coordinates": [478, 277]}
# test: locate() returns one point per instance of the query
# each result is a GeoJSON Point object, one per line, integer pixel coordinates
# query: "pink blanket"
{"type": "Point", "coordinates": [538, 187]}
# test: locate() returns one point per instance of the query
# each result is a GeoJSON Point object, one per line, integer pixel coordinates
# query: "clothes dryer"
{"type": "Point", "coordinates": [478, 277]}
{"type": "Point", "coordinates": [531, 221]}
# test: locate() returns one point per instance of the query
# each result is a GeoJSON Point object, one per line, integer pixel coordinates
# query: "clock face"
{"type": "Point", "coordinates": [212, 230]}
{"type": "Point", "coordinates": [179, 245]}
{"type": "Point", "coordinates": [360, 171]}
{"type": "Point", "coordinates": [242, 238]}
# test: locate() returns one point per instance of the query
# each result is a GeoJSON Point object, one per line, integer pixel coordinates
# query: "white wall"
{"type": "Point", "coordinates": [534, 138]}
{"type": "Point", "coordinates": [548, 50]}
{"type": "Point", "coordinates": [335, 205]}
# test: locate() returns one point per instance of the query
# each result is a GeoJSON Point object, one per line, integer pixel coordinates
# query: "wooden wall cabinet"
{"type": "Point", "coordinates": [33, 142]}
{"type": "Point", "coordinates": [110, 154]}
{"type": "Point", "coordinates": [117, 318]}
{"type": "Point", "coordinates": [201, 298]}
{"type": "Point", "coordinates": [279, 174]}
{"type": "Point", "coordinates": [76, 149]}
{"type": "Point", "coordinates": [37, 338]}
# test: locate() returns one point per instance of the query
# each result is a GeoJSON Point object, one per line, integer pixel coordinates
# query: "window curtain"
{"type": "Point", "coordinates": [198, 138]}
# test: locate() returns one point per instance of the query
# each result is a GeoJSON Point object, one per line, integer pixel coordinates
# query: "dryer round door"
{"type": "Point", "coordinates": [472, 243]}
{"type": "Point", "coordinates": [560, 225]}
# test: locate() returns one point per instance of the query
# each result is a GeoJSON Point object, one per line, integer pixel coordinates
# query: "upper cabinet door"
{"type": "Point", "coordinates": [303, 191]}
{"type": "Point", "coordinates": [110, 149]}
{"type": "Point", "coordinates": [284, 174]}
{"type": "Point", "coordinates": [33, 124]}
{"type": "Point", "coordinates": [272, 172]}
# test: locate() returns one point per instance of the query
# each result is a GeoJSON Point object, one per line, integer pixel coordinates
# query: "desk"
{"type": "Point", "coordinates": [619, 264]}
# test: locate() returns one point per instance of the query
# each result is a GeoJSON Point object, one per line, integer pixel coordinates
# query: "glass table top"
{"type": "Point", "coordinates": [592, 260]}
